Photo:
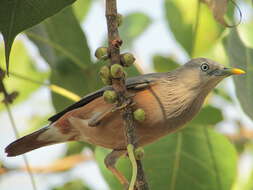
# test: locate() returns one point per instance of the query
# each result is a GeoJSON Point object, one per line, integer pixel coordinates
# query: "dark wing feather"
{"type": "Point", "coordinates": [136, 83]}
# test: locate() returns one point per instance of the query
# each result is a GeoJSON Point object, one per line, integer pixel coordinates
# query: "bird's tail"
{"type": "Point", "coordinates": [40, 138]}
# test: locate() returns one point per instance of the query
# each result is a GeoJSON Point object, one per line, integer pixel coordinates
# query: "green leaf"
{"type": "Point", "coordinates": [182, 17]}
{"type": "Point", "coordinates": [204, 119]}
{"type": "Point", "coordinates": [63, 45]}
{"type": "Point", "coordinates": [246, 185]}
{"type": "Point", "coordinates": [72, 185]}
{"type": "Point", "coordinates": [196, 157]}
{"type": "Point", "coordinates": [65, 31]}
{"type": "Point", "coordinates": [25, 66]}
{"type": "Point", "coordinates": [69, 76]}
{"type": "Point", "coordinates": [61, 36]}
{"type": "Point", "coordinates": [133, 26]}
{"type": "Point", "coordinates": [16, 16]}
{"type": "Point", "coordinates": [164, 64]}
{"type": "Point", "coordinates": [241, 56]}
{"type": "Point", "coordinates": [246, 33]}
{"type": "Point", "coordinates": [81, 8]}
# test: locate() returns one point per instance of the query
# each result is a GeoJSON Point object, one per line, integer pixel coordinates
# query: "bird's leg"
{"type": "Point", "coordinates": [95, 120]}
{"type": "Point", "coordinates": [110, 162]}
{"type": "Point", "coordinates": [128, 102]}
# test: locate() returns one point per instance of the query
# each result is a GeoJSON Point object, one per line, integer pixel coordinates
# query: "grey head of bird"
{"type": "Point", "coordinates": [187, 87]}
{"type": "Point", "coordinates": [204, 74]}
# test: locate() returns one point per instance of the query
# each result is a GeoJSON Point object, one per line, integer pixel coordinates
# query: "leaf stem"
{"type": "Point", "coordinates": [195, 30]}
{"type": "Point", "coordinates": [55, 88]}
{"type": "Point", "coordinates": [130, 150]}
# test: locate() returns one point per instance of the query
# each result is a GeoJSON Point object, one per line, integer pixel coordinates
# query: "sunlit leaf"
{"type": "Point", "coordinates": [246, 33]}
{"type": "Point", "coordinates": [81, 8]}
{"type": "Point", "coordinates": [241, 56]}
{"type": "Point", "coordinates": [24, 65]}
{"type": "Point", "coordinates": [182, 19]}
{"type": "Point", "coordinates": [16, 16]}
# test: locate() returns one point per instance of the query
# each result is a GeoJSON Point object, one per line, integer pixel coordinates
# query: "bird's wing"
{"type": "Point", "coordinates": [136, 83]}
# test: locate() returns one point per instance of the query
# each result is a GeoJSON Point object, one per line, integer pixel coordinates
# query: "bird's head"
{"type": "Point", "coordinates": [204, 73]}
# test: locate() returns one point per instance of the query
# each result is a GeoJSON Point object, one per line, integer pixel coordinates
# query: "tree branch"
{"type": "Point", "coordinates": [114, 43]}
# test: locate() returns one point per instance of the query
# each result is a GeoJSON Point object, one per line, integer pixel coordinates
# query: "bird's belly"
{"type": "Point", "coordinates": [110, 132]}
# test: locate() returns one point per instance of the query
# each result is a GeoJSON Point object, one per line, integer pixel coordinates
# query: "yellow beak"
{"type": "Point", "coordinates": [233, 71]}
{"type": "Point", "coordinates": [236, 71]}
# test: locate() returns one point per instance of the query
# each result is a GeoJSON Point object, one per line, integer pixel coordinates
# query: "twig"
{"type": "Point", "coordinates": [114, 43]}
{"type": "Point", "coordinates": [8, 98]}
{"type": "Point", "coordinates": [55, 88]}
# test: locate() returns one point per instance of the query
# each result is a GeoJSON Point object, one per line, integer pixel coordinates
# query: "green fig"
{"type": "Point", "coordinates": [117, 71]}
{"type": "Point", "coordinates": [139, 115]}
{"type": "Point", "coordinates": [110, 96]}
{"type": "Point", "coordinates": [127, 59]}
{"type": "Point", "coordinates": [119, 19]}
{"type": "Point", "coordinates": [139, 153]}
{"type": "Point", "coordinates": [102, 53]}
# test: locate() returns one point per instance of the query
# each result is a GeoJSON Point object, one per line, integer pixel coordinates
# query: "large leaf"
{"type": "Point", "coordinates": [64, 30]}
{"type": "Point", "coordinates": [133, 26]}
{"type": "Point", "coordinates": [16, 16]}
{"type": "Point", "coordinates": [23, 65]}
{"type": "Point", "coordinates": [204, 118]}
{"type": "Point", "coordinates": [195, 157]}
{"type": "Point", "coordinates": [182, 18]}
{"type": "Point", "coordinates": [63, 45]}
{"type": "Point", "coordinates": [242, 57]}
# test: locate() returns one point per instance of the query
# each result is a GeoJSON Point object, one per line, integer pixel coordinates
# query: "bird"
{"type": "Point", "coordinates": [169, 99]}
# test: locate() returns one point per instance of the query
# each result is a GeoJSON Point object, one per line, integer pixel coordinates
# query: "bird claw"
{"type": "Point", "coordinates": [96, 119]}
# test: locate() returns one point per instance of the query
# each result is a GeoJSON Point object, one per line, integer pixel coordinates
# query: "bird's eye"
{"type": "Point", "coordinates": [204, 67]}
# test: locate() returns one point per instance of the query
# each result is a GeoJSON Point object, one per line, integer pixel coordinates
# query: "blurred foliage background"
{"type": "Point", "coordinates": [56, 47]}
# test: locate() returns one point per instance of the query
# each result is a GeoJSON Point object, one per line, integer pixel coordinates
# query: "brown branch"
{"type": "Point", "coordinates": [114, 43]}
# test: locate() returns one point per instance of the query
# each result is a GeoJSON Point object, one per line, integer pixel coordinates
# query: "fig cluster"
{"type": "Point", "coordinates": [116, 71]}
